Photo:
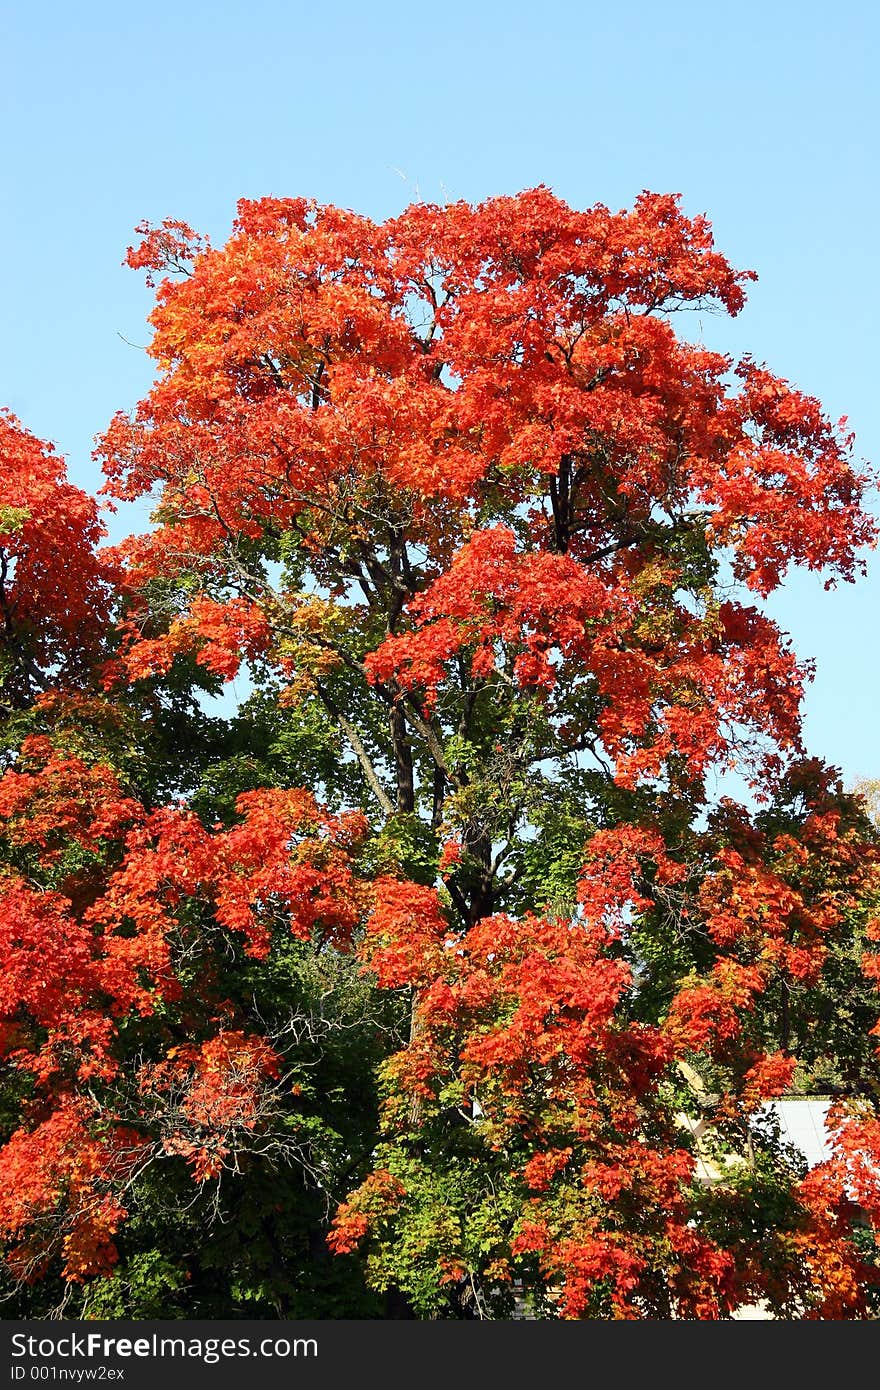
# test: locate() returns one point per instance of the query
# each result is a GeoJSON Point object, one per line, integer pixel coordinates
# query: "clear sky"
{"type": "Point", "coordinates": [763, 115]}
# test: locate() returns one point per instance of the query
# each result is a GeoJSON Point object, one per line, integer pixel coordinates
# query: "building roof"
{"type": "Point", "coordinates": [802, 1123]}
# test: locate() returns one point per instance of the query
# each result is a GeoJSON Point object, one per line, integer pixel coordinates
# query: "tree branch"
{"type": "Point", "coordinates": [360, 752]}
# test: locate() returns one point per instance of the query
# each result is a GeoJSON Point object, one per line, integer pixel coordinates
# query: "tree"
{"type": "Point", "coordinates": [140, 1033]}
{"type": "Point", "coordinates": [487, 533]}
{"type": "Point", "coordinates": [54, 587]}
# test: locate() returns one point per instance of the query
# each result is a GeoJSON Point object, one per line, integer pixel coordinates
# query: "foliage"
{"type": "Point", "coordinates": [438, 951]}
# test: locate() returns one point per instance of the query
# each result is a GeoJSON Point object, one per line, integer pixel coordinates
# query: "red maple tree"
{"type": "Point", "coordinates": [490, 535]}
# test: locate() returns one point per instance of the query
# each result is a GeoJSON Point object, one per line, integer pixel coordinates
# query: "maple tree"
{"type": "Point", "coordinates": [141, 1047]}
{"type": "Point", "coordinates": [489, 536]}
{"type": "Point", "coordinates": [55, 587]}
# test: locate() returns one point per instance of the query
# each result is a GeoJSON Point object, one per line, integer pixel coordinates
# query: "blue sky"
{"type": "Point", "coordinates": [763, 115]}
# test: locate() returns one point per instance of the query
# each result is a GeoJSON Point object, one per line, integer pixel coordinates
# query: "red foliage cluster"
{"type": "Point", "coordinates": [472, 360]}
{"type": "Point", "coordinates": [55, 588]}
{"type": "Point", "coordinates": [528, 1015]}
{"type": "Point", "coordinates": [97, 951]}
{"type": "Point", "coordinates": [216, 1089]}
{"type": "Point", "coordinates": [58, 1184]}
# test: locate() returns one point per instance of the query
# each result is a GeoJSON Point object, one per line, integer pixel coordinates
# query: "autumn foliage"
{"type": "Point", "coordinates": [55, 587]}
{"type": "Point", "coordinates": [441, 952]}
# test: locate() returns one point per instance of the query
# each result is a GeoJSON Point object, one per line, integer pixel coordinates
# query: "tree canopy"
{"type": "Point", "coordinates": [434, 975]}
